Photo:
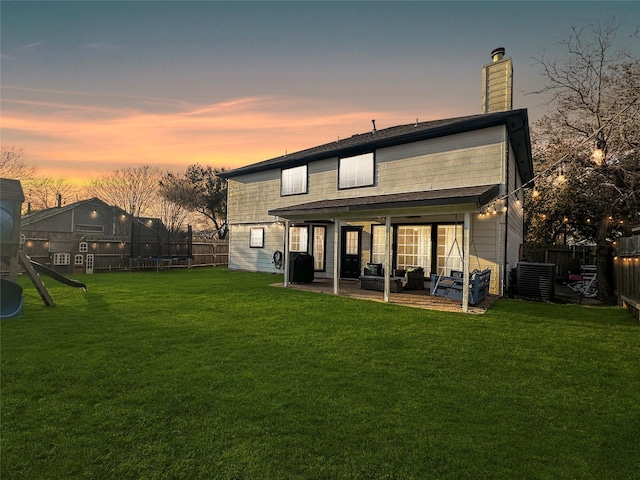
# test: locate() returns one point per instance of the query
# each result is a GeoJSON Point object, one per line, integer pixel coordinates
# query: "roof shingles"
{"type": "Point", "coordinates": [515, 120]}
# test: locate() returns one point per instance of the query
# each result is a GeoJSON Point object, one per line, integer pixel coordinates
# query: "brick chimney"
{"type": "Point", "coordinates": [497, 83]}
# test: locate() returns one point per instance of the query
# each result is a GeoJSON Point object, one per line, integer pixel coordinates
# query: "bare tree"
{"type": "Point", "coordinates": [171, 210]}
{"type": "Point", "coordinates": [13, 164]}
{"type": "Point", "coordinates": [587, 150]}
{"type": "Point", "coordinates": [132, 189]}
{"type": "Point", "coordinates": [47, 192]}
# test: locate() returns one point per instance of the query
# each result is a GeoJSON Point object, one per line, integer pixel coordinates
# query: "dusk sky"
{"type": "Point", "coordinates": [89, 87]}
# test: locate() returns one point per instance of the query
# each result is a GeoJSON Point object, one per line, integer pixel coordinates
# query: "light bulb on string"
{"type": "Point", "coordinates": [561, 176]}
{"type": "Point", "coordinates": [599, 152]}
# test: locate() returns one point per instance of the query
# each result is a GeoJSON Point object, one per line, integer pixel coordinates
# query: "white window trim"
{"type": "Point", "coordinates": [256, 238]}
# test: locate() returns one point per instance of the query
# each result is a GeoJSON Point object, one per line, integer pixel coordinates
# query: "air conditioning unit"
{"type": "Point", "coordinates": [536, 281]}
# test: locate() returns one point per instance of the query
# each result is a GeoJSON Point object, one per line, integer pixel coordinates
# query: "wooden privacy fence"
{"type": "Point", "coordinates": [626, 267]}
{"type": "Point", "coordinates": [566, 259]}
{"type": "Point", "coordinates": [213, 254]}
{"type": "Point", "coordinates": [113, 254]}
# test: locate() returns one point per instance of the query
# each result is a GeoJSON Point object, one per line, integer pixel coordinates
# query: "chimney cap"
{"type": "Point", "coordinates": [497, 54]}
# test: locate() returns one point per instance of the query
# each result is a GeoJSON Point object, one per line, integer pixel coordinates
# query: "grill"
{"type": "Point", "coordinates": [300, 267]}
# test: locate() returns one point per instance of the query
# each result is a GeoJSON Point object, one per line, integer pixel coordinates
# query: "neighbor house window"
{"type": "Point", "coordinates": [79, 260]}
{"type": "Point", "coordinates": [298, 239]}
{"type": "Point", "coordinates": [88, 228]}
{"type": "Point", "coordinates": [61, 258]}
{"type": "Point", "coordinates": [356, 171]}
{"type": "Point", "coordinates": [319, 247]}
{"type": "Point", "coordinates": [256, 238]}
{"type": "Point", "coordinates": [294, 180]}
{"type": "Point", "coordinates": [83, 247]}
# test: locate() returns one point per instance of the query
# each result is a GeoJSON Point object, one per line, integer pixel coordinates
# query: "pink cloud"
{"type": "Point", "coordinates": [72, 139]}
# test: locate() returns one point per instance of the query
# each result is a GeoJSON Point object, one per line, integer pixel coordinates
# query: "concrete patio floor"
{"type": "Point", "coordinates": [408, 298]}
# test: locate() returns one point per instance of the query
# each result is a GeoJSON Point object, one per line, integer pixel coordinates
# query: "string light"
{"type": "Point", "coordinates": [599, 142]}
{"type": "Point", "coordinates": [599, 152]}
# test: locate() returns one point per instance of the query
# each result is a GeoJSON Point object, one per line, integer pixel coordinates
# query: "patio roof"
{"type": "Point", "coordinates": [476, 195]}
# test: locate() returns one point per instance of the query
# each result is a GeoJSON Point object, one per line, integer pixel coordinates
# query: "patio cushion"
{"type": "Point", "coordinates": [374, 269]}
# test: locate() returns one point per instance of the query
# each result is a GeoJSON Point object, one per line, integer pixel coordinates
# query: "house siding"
{"type": "Point", "coordinates": [243, 257]}
{"type": "Point", "coordinates": [485, 248]}
{"type": "Point", "coordinates": [59, 223]}
{"type": "Point", "coordinates": [462, 160]}
{"type": "Point", "coordinates": [515, 216]}
{"type": "Point", "coordinates": [466, 159]}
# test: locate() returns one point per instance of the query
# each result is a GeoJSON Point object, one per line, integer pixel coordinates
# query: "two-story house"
{"type": "Point", "coordinates": [444, 194]}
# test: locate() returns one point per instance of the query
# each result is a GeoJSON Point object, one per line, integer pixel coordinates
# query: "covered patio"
{"type": "Point", "coordinates": [408, 298]}
{"type": "Point", "coordinates": [386, 210]}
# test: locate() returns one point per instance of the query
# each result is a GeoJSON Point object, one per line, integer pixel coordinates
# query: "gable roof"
{"type": "Point", "coordinates": [53, 211]}
{"type": "Point", "coordinates": [516, 121]}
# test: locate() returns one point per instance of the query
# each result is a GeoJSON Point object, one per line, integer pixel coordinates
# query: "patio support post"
{"type": "Point", "coordinates": [387, 258]}
{"type": "Point", "coordinates": [465, 262]}
{"type": "Point", "coordinates": [336, 257]}
{"type": "Point", "coordinates": [286, 253]}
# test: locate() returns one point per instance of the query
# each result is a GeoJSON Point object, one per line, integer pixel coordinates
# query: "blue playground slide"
{"type": "Point", "coordinates": [10, 299]}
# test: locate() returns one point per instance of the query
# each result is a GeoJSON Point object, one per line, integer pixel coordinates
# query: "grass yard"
{"type": "Point", "coordinates": [212, 374]}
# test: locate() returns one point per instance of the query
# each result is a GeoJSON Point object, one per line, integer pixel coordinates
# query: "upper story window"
{"type": "Point", "coordinates": [356, 171]}
{"type": "Point", "coordinates": [83, 247]}
{"type": "Point", "coordinates": [294, 180]}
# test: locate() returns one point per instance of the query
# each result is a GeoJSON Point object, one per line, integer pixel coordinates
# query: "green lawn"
{"type": "Point", "coordinates": [212, 374]}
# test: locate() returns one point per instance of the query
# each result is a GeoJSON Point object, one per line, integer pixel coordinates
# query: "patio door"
{"type": "Point", "coordinates": [351, 252]}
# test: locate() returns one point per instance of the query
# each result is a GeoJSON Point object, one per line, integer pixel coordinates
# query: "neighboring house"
{"type": "Point", "coordinates": [67, 237]}
{"type": "Point", "coordinates": [88, 234]}
{"type": "Point", "coordinates": [426, 183]}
